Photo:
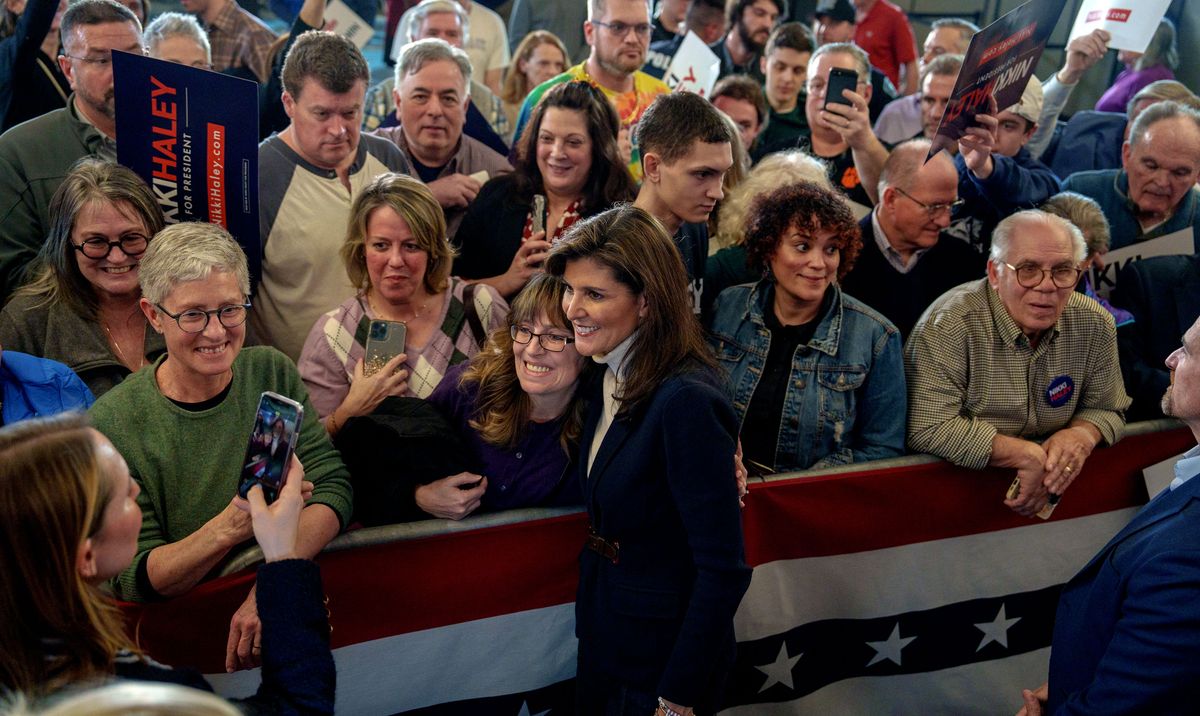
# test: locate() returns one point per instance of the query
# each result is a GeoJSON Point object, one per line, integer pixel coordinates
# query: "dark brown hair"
{"type": "Point", "coordinates": [808, 209]}
{"type": "Point", "coordinates": [635, 247]}
{"type": "Point", "coordinates": [333, 61]}
{"type": "Point", "coordinates": [608, 180]}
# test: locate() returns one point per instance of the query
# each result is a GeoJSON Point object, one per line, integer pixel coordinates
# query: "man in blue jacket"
{"type": "Point", "coordinates": [1154, 193]}
{"type": "Point", "coordinates": [1127, 632]}
{"type": "Point", "coordinates": [33, 387]}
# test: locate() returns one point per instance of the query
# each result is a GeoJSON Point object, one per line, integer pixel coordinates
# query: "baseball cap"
{"type": "Point", "coordinates": [1030, 106]}
{"type": "Point", "coordinates": [839, 10]}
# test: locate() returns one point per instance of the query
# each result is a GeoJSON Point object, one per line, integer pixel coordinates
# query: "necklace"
{"type": "Point", "coordinates": [416, 311]}
{"type": "Point", "coordinates": [117, 346]}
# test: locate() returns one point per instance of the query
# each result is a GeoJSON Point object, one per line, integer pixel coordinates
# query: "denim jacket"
{"type": "Point", "coordinates": [846, 398]}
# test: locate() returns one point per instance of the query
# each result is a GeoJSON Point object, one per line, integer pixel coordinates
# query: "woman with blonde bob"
{"type": "Point", "coordinates": [518, 407]}
{"type": "Point", "coordinates": [540, 56]}
{"type": "Point", "coordinates": [70, 519]}
{"type": "Point", "coordinates": [663, 571]}
{"type": "Point", "coordinates": [80, 307]}
{"type": "Point", "coordinates": [397, 254]}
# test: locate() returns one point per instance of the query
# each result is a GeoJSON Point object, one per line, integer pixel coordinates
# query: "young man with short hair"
{"type": "Point", "coordinates": [785, 65]}
{"type": "Point", "coordinates": [686, 149]}
{"type": "Point", "coordinates": [743, 101]}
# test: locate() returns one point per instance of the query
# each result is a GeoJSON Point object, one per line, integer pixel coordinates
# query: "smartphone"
{"type": "Point", "coordinates": [272, 442]}
{"type": "Point", "coordinates": [539, 214]}
{"type": "Point", "coordinates": [385, 341]}
{"type": "Point", "coordinates": [840, 79]}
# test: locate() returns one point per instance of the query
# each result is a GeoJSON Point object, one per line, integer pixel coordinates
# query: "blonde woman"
{"type": "Point", "coordinates": [397, 254]}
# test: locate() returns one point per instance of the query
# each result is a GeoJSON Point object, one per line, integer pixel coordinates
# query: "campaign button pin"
{"type": "Point", "coordinates": [1060, 391]}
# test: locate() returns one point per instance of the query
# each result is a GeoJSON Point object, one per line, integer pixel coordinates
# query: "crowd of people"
{"type": "Point", "coordinates": [613, 295]}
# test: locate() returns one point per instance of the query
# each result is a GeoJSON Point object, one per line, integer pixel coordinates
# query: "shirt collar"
{"type": "Point", "coordinates": [891, 254]}
{"type": "Point", "coordinates": [1187, 467]}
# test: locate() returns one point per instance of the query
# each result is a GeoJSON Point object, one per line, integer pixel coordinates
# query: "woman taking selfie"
{"type": "Point", "coordinates": [69, 518]}
{"type": "Point", "coordinates": [817, 377]}
{"type": "Point", "coordinates": [396, 252]}
{"type": "Point", "coordinates": [567, 155]}
{"type": "Point", "coordinates": [663, 571]}
{"type": "Point", "coordinates": [81, 306]}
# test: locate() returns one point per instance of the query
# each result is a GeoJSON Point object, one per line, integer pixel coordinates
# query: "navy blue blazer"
{"type": "Point", "coordinates": [1127, 633]}
{"type": "Point", "coordinates": [660, 619]}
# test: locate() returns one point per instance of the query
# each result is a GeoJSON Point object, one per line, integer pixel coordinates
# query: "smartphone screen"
{"type": "Point", "coordinates": [839, 79]}
{"type": "Point", "coordinates": [272, 441]}
{"type": "Point", "coordinates": [385, 341]}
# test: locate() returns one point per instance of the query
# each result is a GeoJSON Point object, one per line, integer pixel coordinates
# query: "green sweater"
{"type": "Point", "coordinates": [188, 463]}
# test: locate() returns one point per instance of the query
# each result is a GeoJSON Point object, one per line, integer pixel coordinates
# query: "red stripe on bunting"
{"type": "Point", "coordinates": [403, 587]}
{"type": "Point", "coordinates": [858, 512]}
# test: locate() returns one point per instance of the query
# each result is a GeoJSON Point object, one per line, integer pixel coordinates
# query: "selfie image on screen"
{"type": "Point", "coordinates": [269, 448]}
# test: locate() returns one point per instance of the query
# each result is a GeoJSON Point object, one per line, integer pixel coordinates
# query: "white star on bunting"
{"type": "Point", "coordinates": [891, 648]}
{"type": "Point", "coordinates": [779, 672]}
{"type": "Point", "coordinates": [996, 630]}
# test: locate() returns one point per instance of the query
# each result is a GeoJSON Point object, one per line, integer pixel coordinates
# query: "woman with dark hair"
{"type": "Point", "coordinates": [69, 521]}
{"type": "Point", "coordinates": [81, 306]}
{"type": "Point", "coordinates": [663, 571]}
{"type": "Point", "coordinates": [817, 377]}
{"type": "Point", "coordinates": [29, 41]}
{"type": "Point", "coordinates": [568, 155]}
{"type": "Point", "coordinates": [517, 406]}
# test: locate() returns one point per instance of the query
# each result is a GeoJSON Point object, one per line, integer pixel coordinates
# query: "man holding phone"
{"type": "Point", "coordinates": [840, 123]}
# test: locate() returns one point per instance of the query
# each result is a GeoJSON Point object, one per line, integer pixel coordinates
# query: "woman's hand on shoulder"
{"type": "Point", "coordinates": [454, 497]}
{"type": "Point", "coordinates": [368, 391]}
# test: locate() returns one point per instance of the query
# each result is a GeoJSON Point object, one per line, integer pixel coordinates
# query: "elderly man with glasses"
{"type": "Point", "coordinates": [996, 365]}
{"type": "Point", "coordinates": [904, 264]}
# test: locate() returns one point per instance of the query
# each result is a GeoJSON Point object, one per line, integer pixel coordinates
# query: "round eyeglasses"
{"type": "Point", "coordinates": [194, 320]}
{"type": "Point", "coordinates": [550, 341]}
{"type": "Point", "coordinates": [98, 248]}
{"type": "Point", "coordinates": [1031, 275]}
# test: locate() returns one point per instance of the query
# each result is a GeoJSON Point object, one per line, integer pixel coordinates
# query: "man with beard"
{"type": "Point", "coordinates": [35, 156]}
{"type": "Point", "coordinates": [1126, 635]}
{"type": "Point", "coordinates": [750, 25]}
{"type": "Point", "coordinates": [618, 31]}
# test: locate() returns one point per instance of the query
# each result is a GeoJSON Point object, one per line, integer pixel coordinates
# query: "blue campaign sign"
{"type": "Point", "coordinates": [192, 134]}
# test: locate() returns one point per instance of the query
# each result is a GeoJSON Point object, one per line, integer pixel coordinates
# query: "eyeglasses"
{"type": "Point", "coordinates": [103, 60]}
{"type": "Point", "coordinates": [550, 341]}
{"type": "Point", "coordinates": [621, 29]}
{"type": "Point", "coordinates": [932, 209]}
{"type": "Point", "coordinates": [194, 320]}
{"type": "Point", "coordinates": [98, 248]}
{"type": "Point", "coordinates": [1031, 275]}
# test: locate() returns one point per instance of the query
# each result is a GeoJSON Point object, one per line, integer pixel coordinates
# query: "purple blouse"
{"type": "Point", "coordinates": [1129, 83]}
{"type": "Point", "coordinates": [527, 476]}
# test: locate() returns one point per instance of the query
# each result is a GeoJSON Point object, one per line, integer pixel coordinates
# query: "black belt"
{"type": "Point", "coordinates": [610, 550]}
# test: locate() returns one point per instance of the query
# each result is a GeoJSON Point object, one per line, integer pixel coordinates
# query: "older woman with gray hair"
{"type": "Point", "coordinates": [176, 37]}
{"type": "Point", "coordinates": [80, 306]}
{"type": "Point", "coordinates": [182, 425]}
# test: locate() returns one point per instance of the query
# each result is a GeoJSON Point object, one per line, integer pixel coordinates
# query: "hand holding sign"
{"type": "Point", "coordinates": [1131, 24]}
{"type": "Point", "coordinates": [1082, 54]}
